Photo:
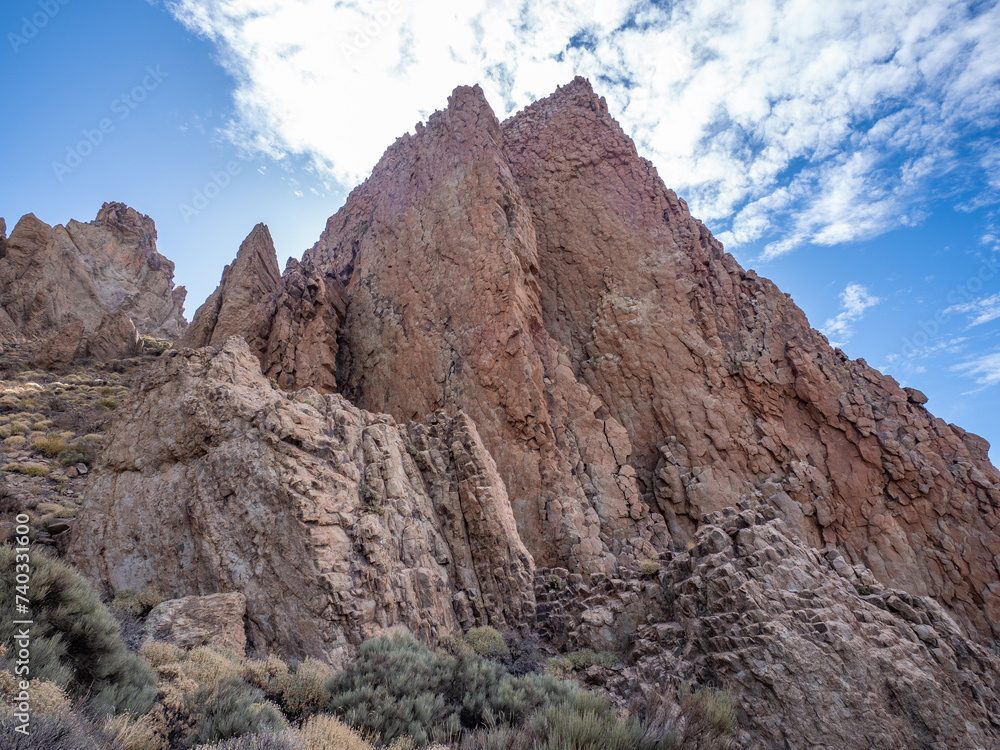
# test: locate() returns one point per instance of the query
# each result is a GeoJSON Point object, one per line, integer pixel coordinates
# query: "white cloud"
{"type": "Point", "coordinates": [855, 300]}
{"type": "Point", "coordinates": [980, 311]}
{"type": "Point", "coordinates": [781, 121]}
{"type": "Point", "coordinates": [985, 369]}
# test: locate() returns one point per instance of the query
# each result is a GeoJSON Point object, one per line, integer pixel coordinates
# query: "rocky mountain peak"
{"type": "Point", "coordinates": [126, 219]}
{"type": "Point", "coordinates": [248, 282]}
{"type": "Point", "coordinates": [50, 276]}
{"type": "Point", "coordinates": [515, 371]}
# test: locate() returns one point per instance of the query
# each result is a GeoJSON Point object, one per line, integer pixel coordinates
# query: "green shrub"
{"type": "Point", "coordinates": [266, 741]}
{"type": "Point", "coordinates": [488, 643]}
{"type": "Point", "coordinates": [557, 729]}
{"type": "Point", "coordinates": [555, 582]}
{"type": "Point", "coordinates": [107, 403]}
{"type": "Point", "coordinates": [650, 568]}
{"type": "Point", "coordinates": [710, 719]}
{"type": "Point", "coordinates": [75, 640]}
{"type": "Point", "coordinates": [230, 708]}
{"type": "Point", "coordinates": [155, 346]}
{"type": "Point", "coordinates": [81, 451]}
{"type": "Point", "coordinates": [49, 445]}
{"type": "Point", "coordinates": [63, 731]}
{"type": "Point", "coordinates": [397, 687]}
{"type": "Point", "coordinates": [30, 470]}
{"type": "Point", "coordinates": [371, 501]}
{"type": "Point", "coordinates": [585, 658]}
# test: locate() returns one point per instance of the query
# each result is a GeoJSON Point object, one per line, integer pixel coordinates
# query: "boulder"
{"type": "Point", "coordinates": [192, 621]}
{"type": "Point", "coordinates": [114, 338]}
{"type": "Point", "coordinates": [60, 349]}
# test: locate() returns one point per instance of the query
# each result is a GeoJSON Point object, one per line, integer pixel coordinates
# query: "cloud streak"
{"type": "Point", "coordinates": [783, 122]}
{"type": "Point", "coordinates": [855, 300]}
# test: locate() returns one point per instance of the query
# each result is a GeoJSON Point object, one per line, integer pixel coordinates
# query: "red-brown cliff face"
{"type": "Point", "coordinates": [627, 375]}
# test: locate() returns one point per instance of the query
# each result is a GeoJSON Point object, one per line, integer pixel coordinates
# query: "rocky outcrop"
{"type": "Point", "coordinates": [114, 338]}
{"type": "Point", "coordinates": [295, 336]}
{"type": "Point", "coordinates": [216, 620]}
{"type": "Point", "coordinates": [437, 251]}
{"type": "Point", "coordinates": [290, 321]}
{"type": "Point", "coordinates": [50, 275]}
{"type": "Point", "coordinates": [334, 523]}
{"type": "Point", "coordinates": [232, 307]}
{"type": "Point", "coordinates": [722, 385]}
{"type": "Point", "coordinates": [61, 348]}
{"type": "Point", "coordinates": [625, 372]}
{"type": "Point", "coordinates": [816, 651]}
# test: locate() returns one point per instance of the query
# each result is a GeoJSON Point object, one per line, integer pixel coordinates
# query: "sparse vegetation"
{"type": "Point", "coordinates": [155, 346]}
{"type": "Point", "coordinates": [371, 500]}
{"type": "Point", "coordinates": [30, 470]}
{"type": "Point", "coordinates": [75, 640]}
{"type": "Point", "coordinates": [488, 643]}
{"type": "Point", "coordinates": [649, 568]}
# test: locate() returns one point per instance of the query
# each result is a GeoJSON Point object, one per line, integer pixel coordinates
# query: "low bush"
{"type": "Point", "coordinates": [230, 708]}
{"type": "Point", "coordinates": [585, 658]}
{"type": "Point", "coordinates": [397, 687]}
{"type": "Point", "coordinates": [75, 640]}
{"type": "Point", "coordinates": [29, 470]}
{"type": "Point", "coordinates": [48, 445]}
{"type": "Point", "coordinates": [63, 731]}
{"type": "Point", "coordinates": [323, 732]}
{"type": "Point", "coordinates": [488, 643]}
{"type": "Point", "coordinates": [302, 692]}
{"type": "Point", "coordinates": [559, 729]}
{"type": "Point", "coordinates": [650, 568]}
{"type": "Point", "coordinates": [266, 741]}
{"type": "Point", "coordinates": [81, 451]}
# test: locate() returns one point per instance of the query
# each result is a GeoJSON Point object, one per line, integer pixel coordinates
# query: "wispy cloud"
{"type": "Point", "coordinates": [855, 300]}
{"type": "Point", "coordinates": [985, 369]}
{"type": "Point", "coordinates": [980, 311]}
{"type": "Point", "coordinates": [781, 121]}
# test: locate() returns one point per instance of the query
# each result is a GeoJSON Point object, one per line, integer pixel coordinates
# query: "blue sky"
{"type": "Point", "coordinates": [849, 151]}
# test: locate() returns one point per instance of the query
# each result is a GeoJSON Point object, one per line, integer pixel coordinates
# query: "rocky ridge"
{"type": "Point", "coordinates": [50, 276]}
{"type": "Point", "coordinates": [514, 345]}
{"type": "Point", "coordinates": [625, 372]}
{"type": "Point", "coordinates": [333, 523]}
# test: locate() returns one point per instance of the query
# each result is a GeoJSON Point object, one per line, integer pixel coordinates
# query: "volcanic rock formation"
{"type": "Point", "coordinates": [290, 321]}
{"type": "Point", "coordinates": [819, 653]}
{"type": "Point", "coordinates": [232, 307]}
{"type": "Point", "coordinates": [334, 523]}
{"type": "Point", "coordinates": [531, 291]}
{"type": "Point", "coordinates": [625, 372]}
{"type": "Point", "coordinates": [51, 275]}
